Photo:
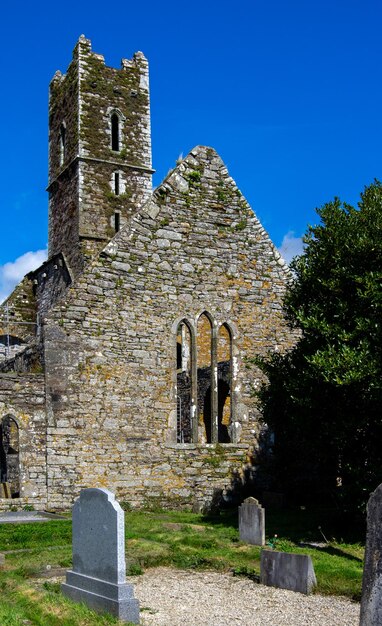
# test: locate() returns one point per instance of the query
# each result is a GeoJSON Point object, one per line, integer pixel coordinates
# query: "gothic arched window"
{"type": "Point", "coordinates": [224, 368]}
{"type": "Point", "coordinates": [184, 383]}
{"type": "Point", "coordinates": [205, 381]}
{"type": "Point", "coordinates": [206, 408]}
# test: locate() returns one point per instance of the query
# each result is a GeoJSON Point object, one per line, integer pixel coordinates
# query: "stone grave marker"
{"type": "Point", "coordinates": [98, 577]}
{"type": "Point", "coordinates": [252, 522]}
{"type": "Point", "coordinates": [371, 601]}
{"type": "Point", "coordinates": [286, 570]}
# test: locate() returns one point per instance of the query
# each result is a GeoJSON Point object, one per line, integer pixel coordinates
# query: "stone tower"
{"type": "Point", "coordinates": [99, 151]}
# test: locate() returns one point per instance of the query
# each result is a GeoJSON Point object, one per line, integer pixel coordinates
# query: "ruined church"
{"type": "Point", "coordinates": [127, 357]}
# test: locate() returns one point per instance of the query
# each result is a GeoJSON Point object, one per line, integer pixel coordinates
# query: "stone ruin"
{"type": "Point", "coordinates": [126, 357]}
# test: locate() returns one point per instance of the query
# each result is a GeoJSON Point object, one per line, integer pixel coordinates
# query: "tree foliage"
{"type": "Point", "coordinates": [324, 398]}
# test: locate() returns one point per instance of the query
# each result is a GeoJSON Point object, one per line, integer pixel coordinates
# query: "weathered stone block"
{"type": "Point", "coordinates": [252, 522]}
{"type": "Point", "coordinates": [371, 602]}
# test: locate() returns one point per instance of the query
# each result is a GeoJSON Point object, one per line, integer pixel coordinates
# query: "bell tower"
{"type": "Point", "coordinates": [99, 151]}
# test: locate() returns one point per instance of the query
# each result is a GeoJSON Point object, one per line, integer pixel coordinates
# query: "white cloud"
{"type": "Point", "coordinates": [11, 273]}
{"type": "Point", "coordinates": [291, 246]}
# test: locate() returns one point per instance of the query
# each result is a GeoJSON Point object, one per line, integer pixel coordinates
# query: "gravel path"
{"type": "Point", "coordinates": [181, 598]}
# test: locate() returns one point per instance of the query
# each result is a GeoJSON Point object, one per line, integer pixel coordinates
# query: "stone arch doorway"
{"type": "Point", "coordinates": [10, 455]}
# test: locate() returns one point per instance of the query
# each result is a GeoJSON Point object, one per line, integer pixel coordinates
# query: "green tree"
{"type": "Point", "coordinates": [324, 398]}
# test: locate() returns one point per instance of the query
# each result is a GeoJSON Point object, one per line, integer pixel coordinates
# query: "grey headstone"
{"type": "Point", "coordinates": [286, 570]}
{"type": "Point", "coordinates": [371, 601]}
{"type": "Point", "coordinates": [98, 577]}
{"type": "Point", "coordinates": [2, 560]}
{"type": "Point", "coordinates": [252, 522]}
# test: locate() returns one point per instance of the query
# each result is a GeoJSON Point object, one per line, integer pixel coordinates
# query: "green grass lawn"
{"type": "Point", "coordinates": [172, 538]}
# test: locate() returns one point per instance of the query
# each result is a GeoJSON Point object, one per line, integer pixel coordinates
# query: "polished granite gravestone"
{"type": "Point", "coordinates": [98, 577]}
{"type": "Point", "coordinates": [252, 522]}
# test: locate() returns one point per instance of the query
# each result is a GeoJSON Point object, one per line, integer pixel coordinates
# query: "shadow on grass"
{"type": "Point", "coordinates": [333, 552]}
{"type": "Point", "coordinates": [302, 524]}
{"type": "Point", "coordinates": [226, 517]}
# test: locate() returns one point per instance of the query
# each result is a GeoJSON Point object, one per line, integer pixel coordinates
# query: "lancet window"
{"type": "Point", "coordinates": [62, 143]}
{"type": "Point", "coordinates": [115, 128]}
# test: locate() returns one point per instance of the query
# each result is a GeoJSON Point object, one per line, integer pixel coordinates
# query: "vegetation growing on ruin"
{"type": "Point", "coordinates": [120, 87]}
{"type": "Point", "coordinates": [215, 457]}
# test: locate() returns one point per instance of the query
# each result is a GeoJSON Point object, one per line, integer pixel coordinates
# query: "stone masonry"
{"type": "Point", "coordinates": [143, 289]}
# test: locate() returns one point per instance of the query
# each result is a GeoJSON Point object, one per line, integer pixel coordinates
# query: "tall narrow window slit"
{"type": "Point", "coordinates": [115, 132]}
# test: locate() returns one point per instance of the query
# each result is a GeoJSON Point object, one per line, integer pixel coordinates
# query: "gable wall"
{"type": "Point", "coordinates": [110, 351]}
{"type": "Point", "coordinates": [17, 319]}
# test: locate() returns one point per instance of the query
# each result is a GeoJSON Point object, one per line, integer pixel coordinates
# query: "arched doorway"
{"type": "Point", "coordinates": [9, 455]}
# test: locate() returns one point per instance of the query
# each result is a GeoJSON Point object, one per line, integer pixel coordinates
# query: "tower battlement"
{"type": "Point", "coordinates": [99, 151]}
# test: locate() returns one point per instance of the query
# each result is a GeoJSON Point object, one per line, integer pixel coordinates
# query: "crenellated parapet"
{"type": "Point", "coordinates": [99, 151]}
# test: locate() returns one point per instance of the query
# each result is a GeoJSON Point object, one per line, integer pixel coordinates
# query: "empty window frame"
{"type": "Point", "coordinates": [116, 183]}
{"type": "Point", "coordinates": [224, 372]}
{"type": "Point", "coordinates": [185, 379]}
{"type": "Point", "coordinates": [117, 221]}
{"type": "Point", "coordinates": [205, 374]}
{"type": "Point", "coordinates": [204, 381]}
{"type": "Point", "coordinates": [214, 380]}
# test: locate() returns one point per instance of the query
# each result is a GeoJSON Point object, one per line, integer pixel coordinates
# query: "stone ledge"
{"type": "Point", "coordinates": [205, 446]}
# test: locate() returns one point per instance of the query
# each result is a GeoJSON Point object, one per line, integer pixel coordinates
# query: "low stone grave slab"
{"type": "Point", "coordinates": [252, 522]}
{"type": "Point", "coordinates": [25, 517]}
{"type": "Point", "coordinates": [98, 577]}
{"type": "Point", "coordinates": [286, 570]}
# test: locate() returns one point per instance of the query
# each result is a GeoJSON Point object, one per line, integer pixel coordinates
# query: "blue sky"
{"type": "Point", "coordinates": [288, 92]}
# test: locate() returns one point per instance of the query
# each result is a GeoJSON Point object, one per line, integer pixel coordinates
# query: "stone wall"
{"type": "Point", "coordinates": [23, 398]}
{"type": "Point", "coordinates": [29, 359]}
{"type": "Point", "coordinates": [63, 165]}
{"type": "Point", "coordinates": [50, 282]}
{"type": "Point", "coordinates": [110, 348]}
{"type": "Point", "coordinates": [17, 320]}
{"type": "Point", "coordinates": [64, 218]}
